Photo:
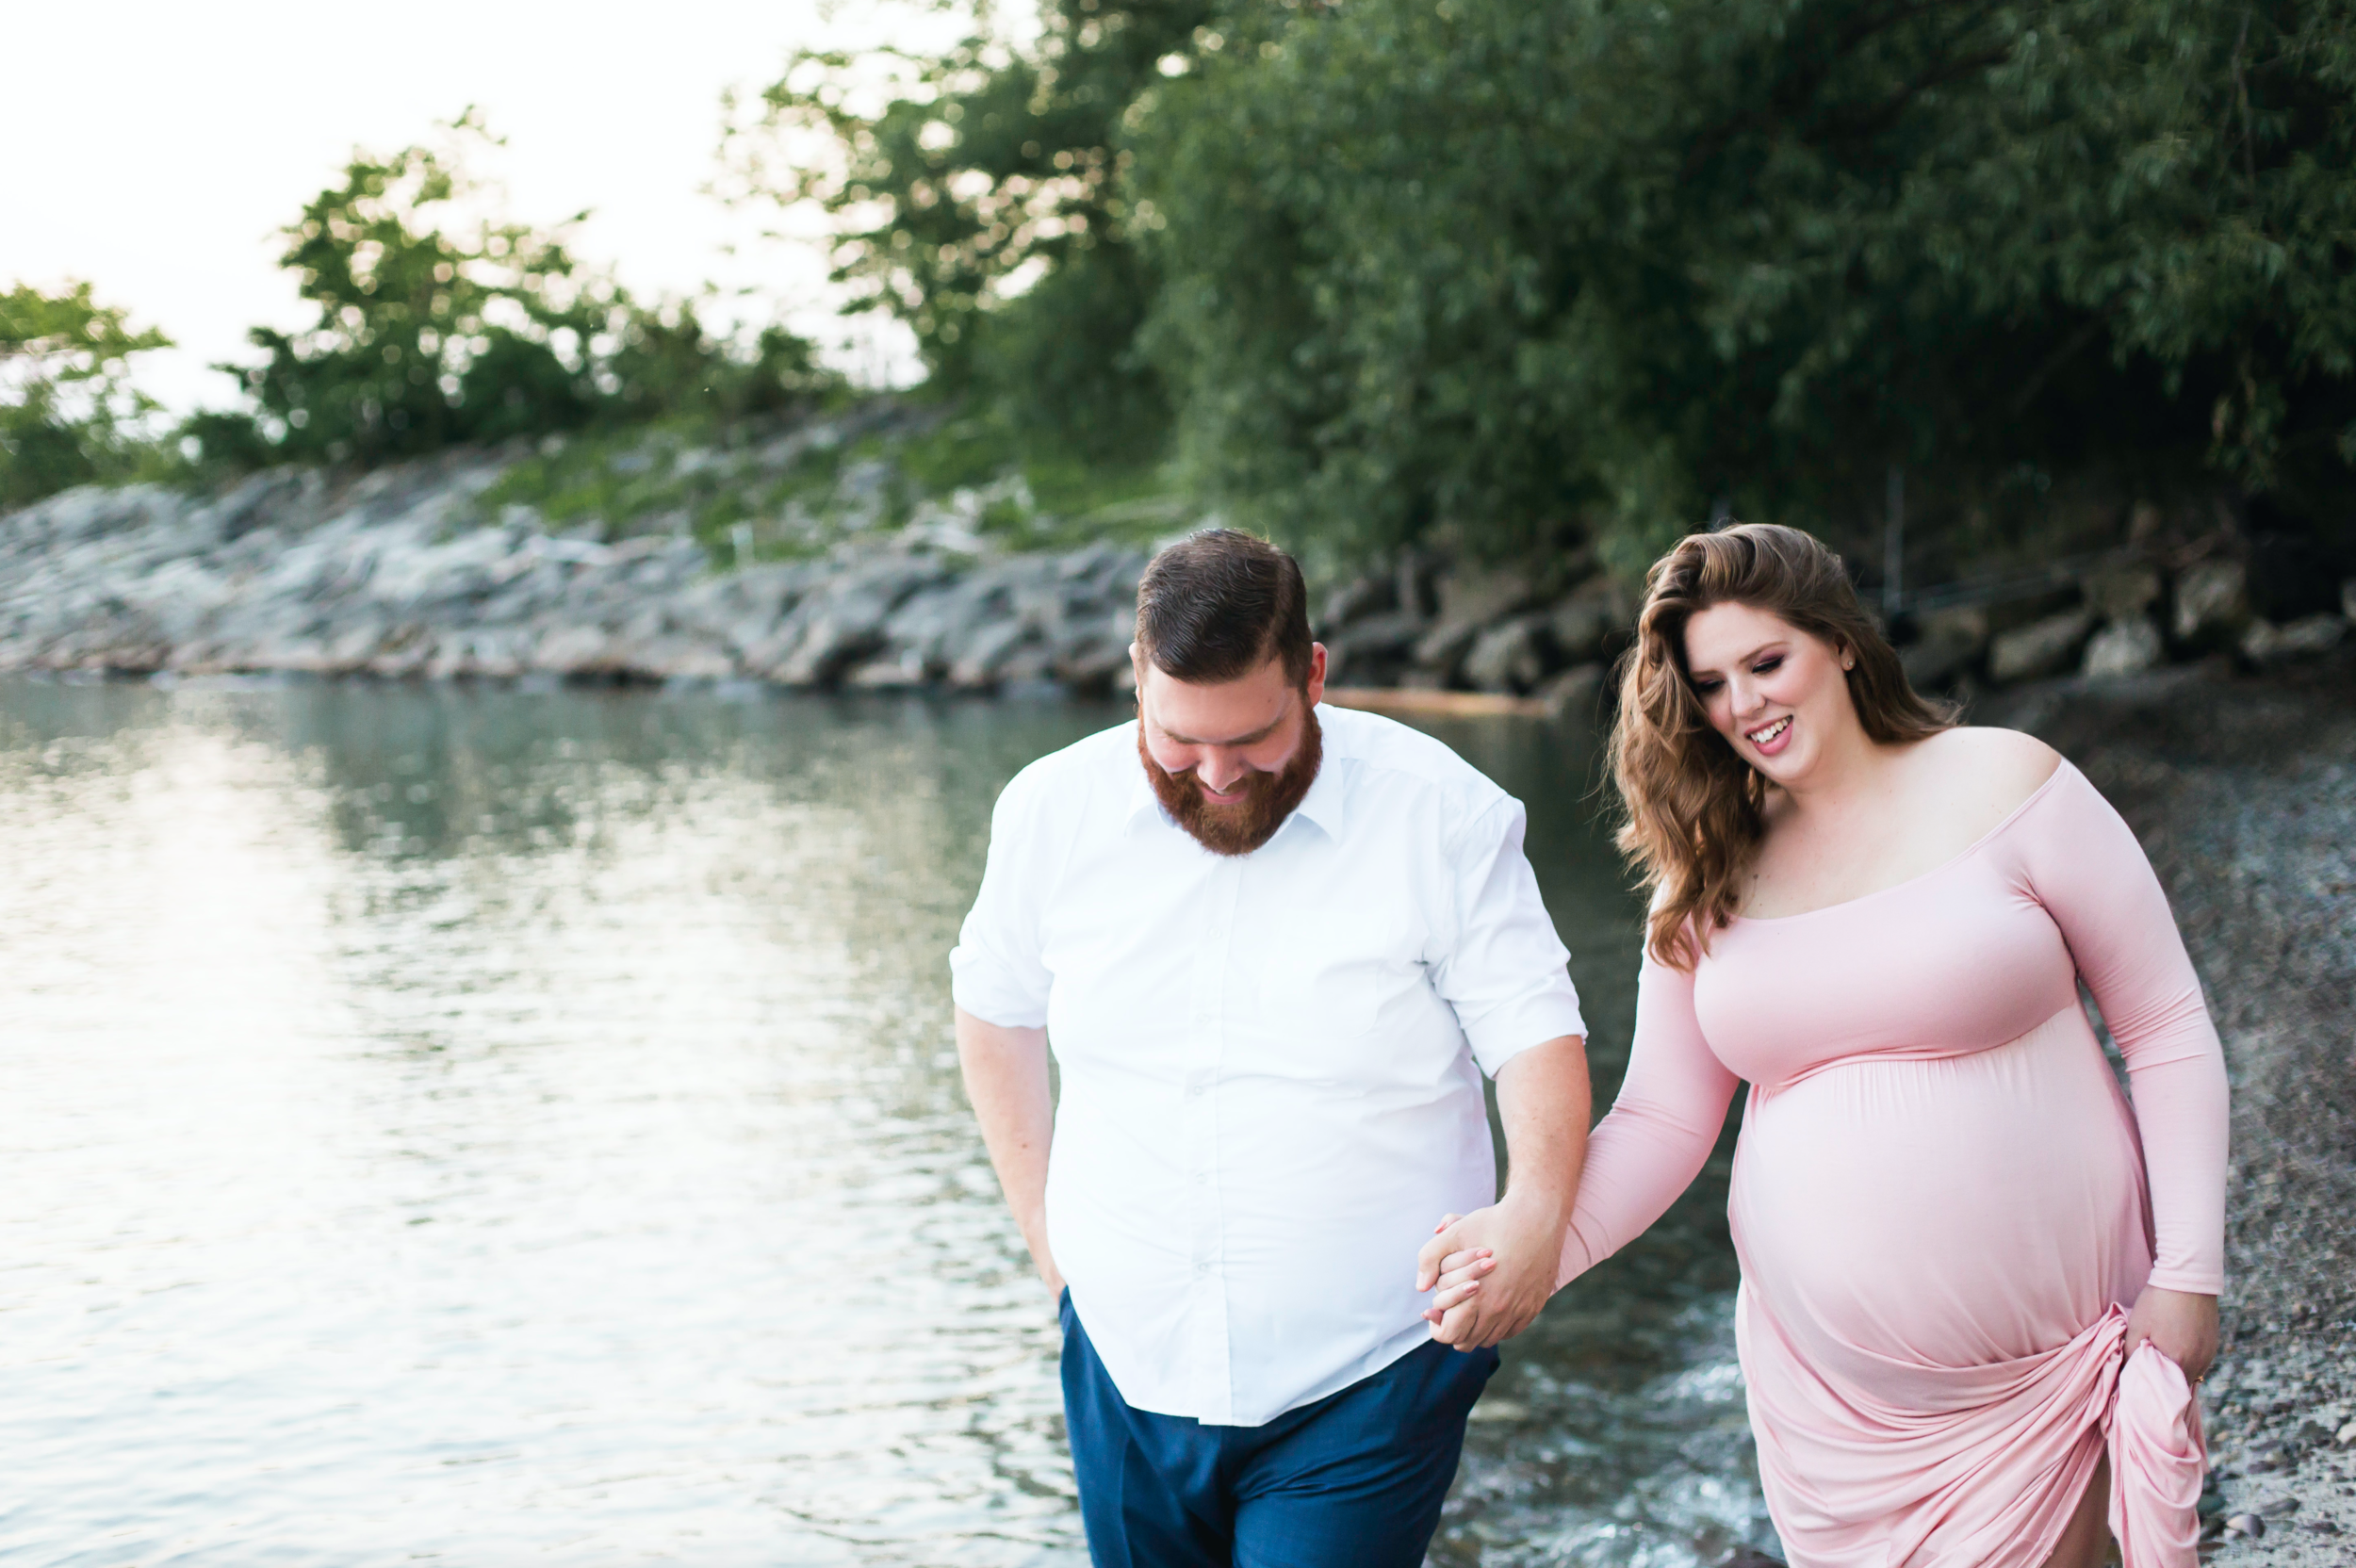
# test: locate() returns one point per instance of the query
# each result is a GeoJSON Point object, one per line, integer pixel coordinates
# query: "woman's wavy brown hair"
{"type": "Point", "coordinates": [1696, 810]}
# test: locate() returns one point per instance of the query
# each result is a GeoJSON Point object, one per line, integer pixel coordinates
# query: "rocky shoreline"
{"type": "Point", "coordinates": [2213, 701]}
{"type": "Point", "coordinates": [2243, 788]}
{"type": "Point", "coordinates": [410, 572]}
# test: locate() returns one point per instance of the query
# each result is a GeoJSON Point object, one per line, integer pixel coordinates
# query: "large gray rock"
{"type": "Point", "coordinates": [1372, 646]}
{"type": "Point", "coordinates": [485, 653]}
{"type": "Point", "coordinates": [1440, 652]}
{"type": "Point", "coordinates": [1484, 595]}
{"type": "Point", "coordinates": [845, 623]}
{"type": "Point", "coordinates": [1355, 600]}
{"type": "Point", "coordinates": [2264, 643]}
{"type": "Point", "coordinates": [2040, 649]}
{"type": "Point", "coordinates": [2212, 601]}
{"type": "Point", "coordinates": [2123, 590]}
{"type": "Point", "coordinates": [1581, 624]}
{"type": "Point", "coordinates": [1513, 656]}
{"type": "Point", "coordinates": [1093, 651]}
{"type": "Point", "coordinates": [2123, 647]}
{"type": "Point", "coordinates": [986, 655]}
{"type": "Point", "coordinates": [576, 652]}
{"type": "Point", "coordinates": [1576, 693]}
{"type": "Point", "coordinates": [1946, 644]}
{"type": "Point", "coordinates": [1470, 603]}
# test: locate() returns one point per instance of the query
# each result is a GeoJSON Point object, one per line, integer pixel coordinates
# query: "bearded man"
{"type": "Point", "coordinates": [1273, 947]}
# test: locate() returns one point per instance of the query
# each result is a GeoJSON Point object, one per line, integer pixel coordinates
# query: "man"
{"type": "Point", "coordinates": [1275, 946]}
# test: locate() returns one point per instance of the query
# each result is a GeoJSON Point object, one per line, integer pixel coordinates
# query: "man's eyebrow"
{"type": "Point", "coordinates": [1260, 734]}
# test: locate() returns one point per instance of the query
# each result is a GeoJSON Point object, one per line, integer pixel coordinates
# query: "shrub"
{"type": "Point", "coordinates": [433, 323]}
{"type": "Point", "coordinates": [68, 412]}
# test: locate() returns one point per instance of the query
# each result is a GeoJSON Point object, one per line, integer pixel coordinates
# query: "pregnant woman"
{"type": "Point", "coordinates": [1974, 1281]}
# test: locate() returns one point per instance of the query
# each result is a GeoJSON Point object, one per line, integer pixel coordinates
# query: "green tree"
{"type": "Point", "coordinates": [436, 322]}
{"type": "Point", "coordinates": [978, 196]}
{"type": "Point", "coordinates": [69, 414]}
{"type": "Point", "coordinates": [1530, 274]}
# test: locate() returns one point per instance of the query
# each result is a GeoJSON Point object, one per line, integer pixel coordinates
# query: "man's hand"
{"type": "Point", "coordinates": [1495, 1268]}
{"type": "Point", "coordinates": [1005, 1077]}
{"type": "Point", "coordinates": [2182, 1326]}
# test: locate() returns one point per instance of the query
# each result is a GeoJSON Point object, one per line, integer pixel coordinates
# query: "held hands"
{"type": "Point", "coordinates": [1490, 1271]}
{"type": "Point", "coordinates": [2184, 1327]}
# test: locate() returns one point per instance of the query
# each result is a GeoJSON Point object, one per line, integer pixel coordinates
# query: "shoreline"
{"type": "Point", "coordinates": [2243, 791]}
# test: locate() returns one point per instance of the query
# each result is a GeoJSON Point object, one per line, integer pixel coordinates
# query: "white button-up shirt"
{"type": "Point", "coordinates": [1269, 1090]}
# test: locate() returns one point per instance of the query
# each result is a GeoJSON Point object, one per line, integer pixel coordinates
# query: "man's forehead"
{"type": "Point", "coordinates": [1229, 713]}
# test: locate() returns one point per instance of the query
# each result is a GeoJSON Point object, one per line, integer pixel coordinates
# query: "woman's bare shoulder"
{"type": "Point", "coordinates": [1984, 774]}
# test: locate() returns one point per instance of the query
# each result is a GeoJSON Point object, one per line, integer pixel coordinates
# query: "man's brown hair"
{"type": "Point", "coordinates": [1218, 604]}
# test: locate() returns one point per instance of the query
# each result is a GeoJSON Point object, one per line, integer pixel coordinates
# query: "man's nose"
{"type": "Point", "coordinates": [1220, 771]}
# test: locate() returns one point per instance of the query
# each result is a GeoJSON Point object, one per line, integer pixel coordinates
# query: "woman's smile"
{"type": "Point", "coordinates": [1770, 738]}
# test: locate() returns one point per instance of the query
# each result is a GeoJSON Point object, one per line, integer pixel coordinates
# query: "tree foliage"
{"type": "Point", "coordinates": [69, 414]}
{"type": "Point", "coordinates": [980, 197]}
{"type": "Point", "coordinates": [436, 322]}
{"type": "Point", "coordinates": [1529, 275]}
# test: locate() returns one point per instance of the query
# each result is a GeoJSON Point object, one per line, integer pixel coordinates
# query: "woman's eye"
{"type": "Point", "coordinates": [1705, 687]}
{"type": "Point", "coordinates": [1764, 665]}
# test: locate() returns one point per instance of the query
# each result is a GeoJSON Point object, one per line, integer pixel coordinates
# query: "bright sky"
{"type": "Point", "coordinates": [155, 147]}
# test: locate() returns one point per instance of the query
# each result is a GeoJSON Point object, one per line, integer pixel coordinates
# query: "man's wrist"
{"type": "Point", "coordinates": [1537, 1204]}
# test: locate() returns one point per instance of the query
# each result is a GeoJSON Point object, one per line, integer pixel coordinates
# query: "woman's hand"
{"type": "Point", "coordinates": [2182, 1325]}
{"type": "Point", "coordinates": [1486, 1293]}
{"type": "Point", "coordinates": [1458, 1274]}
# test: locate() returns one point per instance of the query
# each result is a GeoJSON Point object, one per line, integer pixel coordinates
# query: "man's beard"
{"type": "Point", "coordinates": [1269, 798]}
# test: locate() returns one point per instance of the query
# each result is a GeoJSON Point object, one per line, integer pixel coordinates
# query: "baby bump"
{"type": "Point", "coordinates": [1947, 1213]}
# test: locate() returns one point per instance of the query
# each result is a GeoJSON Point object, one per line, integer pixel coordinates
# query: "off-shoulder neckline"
{"type": "Point", "coordinates": [2062, 767]}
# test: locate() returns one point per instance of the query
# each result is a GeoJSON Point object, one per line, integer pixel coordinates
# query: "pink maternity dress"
{"type": "Point", "coordinates": [1942, 1204]}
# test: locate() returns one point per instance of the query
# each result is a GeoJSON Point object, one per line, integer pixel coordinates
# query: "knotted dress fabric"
{"type": "Point", "coordinates": [1943, 1204]}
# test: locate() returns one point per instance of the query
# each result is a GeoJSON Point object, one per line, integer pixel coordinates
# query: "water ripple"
{"type": "Point", "coordinates": [485, 1125]}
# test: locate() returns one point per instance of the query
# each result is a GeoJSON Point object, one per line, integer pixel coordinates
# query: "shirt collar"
{"type": "Point", "coordinates": [1324, 805]}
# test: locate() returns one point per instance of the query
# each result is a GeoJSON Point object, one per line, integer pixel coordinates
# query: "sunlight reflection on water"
{"type": "Point", "coordinates": [473, 1124]}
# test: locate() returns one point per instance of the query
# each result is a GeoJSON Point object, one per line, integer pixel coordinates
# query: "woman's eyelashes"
{"type": "Point", "coordinates": [1709, 685]}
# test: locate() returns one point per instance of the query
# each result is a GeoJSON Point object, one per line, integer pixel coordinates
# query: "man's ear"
{"type": "Point", "coordinates": [1316, 674]}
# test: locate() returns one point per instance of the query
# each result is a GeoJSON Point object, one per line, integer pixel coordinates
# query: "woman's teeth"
{"type": "Point", "coordinates": [1771, 733]}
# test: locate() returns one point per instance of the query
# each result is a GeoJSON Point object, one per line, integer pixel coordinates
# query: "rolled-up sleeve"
{"type": "Point", "coordinates": [1505, 970]}
{"type": "Point", "coordinates": [995, 969]}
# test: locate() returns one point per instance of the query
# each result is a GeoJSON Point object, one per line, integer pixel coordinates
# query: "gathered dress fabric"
{"type": "Point", "coordinates": [1944, 1206]}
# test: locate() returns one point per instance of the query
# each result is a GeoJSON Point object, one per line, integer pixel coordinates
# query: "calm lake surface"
{"type": "Point", "coordinates": [481, 1126]}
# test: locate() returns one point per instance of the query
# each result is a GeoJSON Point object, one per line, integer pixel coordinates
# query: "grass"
{"type": "Point", "coordinates": [801, 490]}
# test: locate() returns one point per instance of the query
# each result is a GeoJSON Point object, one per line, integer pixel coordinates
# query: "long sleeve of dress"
{"type": "Point", "coordinates": [2081, 861]}
{"type": "Point", "coordinates": [1661, 1129]}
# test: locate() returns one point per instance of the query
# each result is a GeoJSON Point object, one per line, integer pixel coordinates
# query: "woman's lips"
{"type": "Point", "coordinates": [1769, 739]}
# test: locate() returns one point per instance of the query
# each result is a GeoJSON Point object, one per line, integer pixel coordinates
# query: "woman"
{"type": "Point", "coordinates": [1973, 1280]}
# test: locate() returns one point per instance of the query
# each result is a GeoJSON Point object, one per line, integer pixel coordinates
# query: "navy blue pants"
{"type": "Point", "coordinates": [1352, 1480]}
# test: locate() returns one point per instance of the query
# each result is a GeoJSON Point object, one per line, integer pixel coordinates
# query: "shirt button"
{"type": "Point", "coordinates": [1202, 1269]}
{"type": "Point", "coordinates": [1194, 1091]}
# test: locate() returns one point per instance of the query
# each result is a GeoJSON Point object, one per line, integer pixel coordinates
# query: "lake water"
{"type": "Point", "coordinates": [481, 1126]}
